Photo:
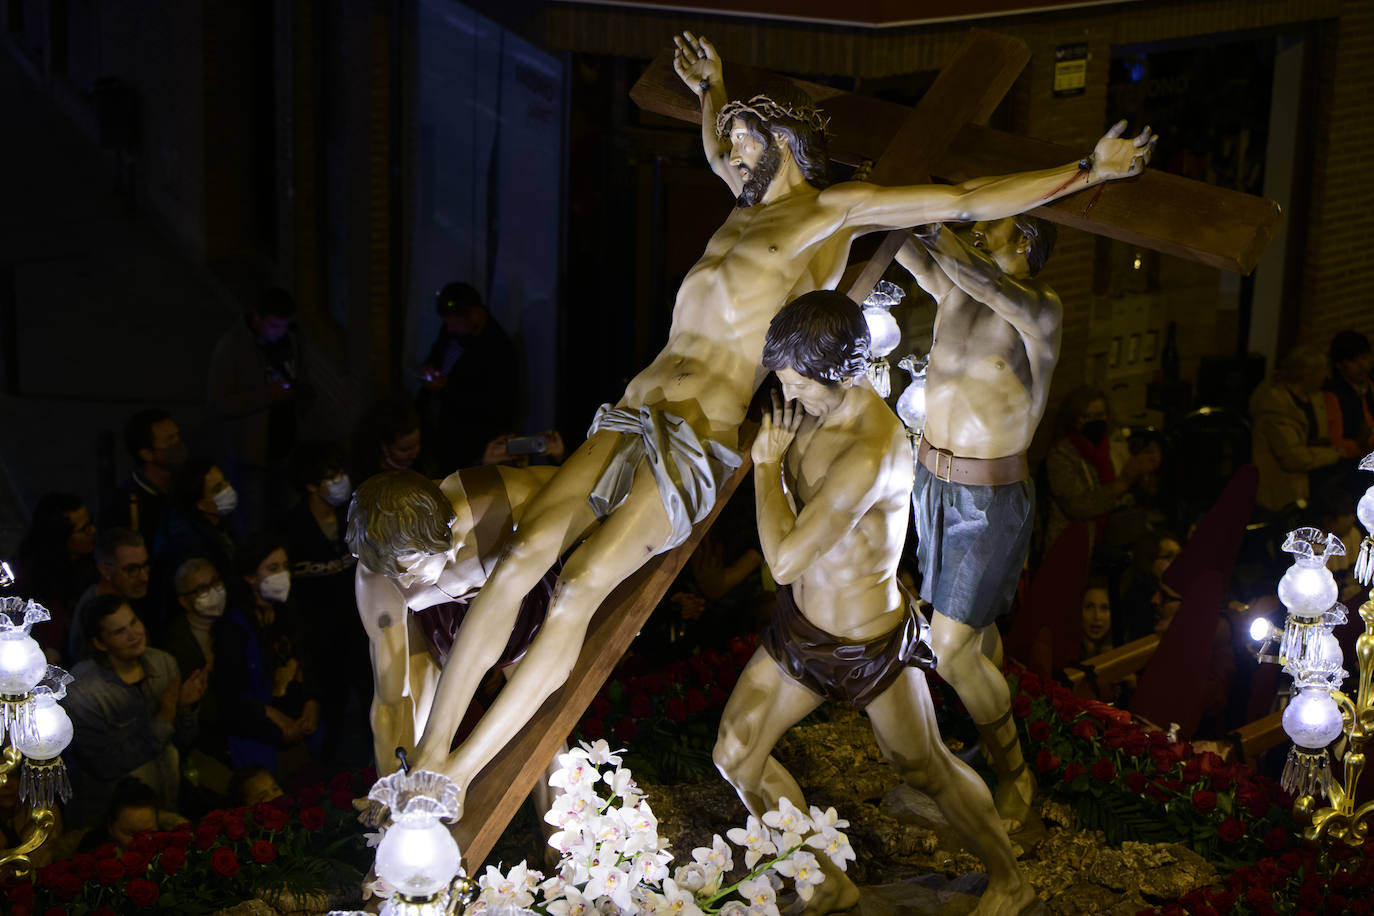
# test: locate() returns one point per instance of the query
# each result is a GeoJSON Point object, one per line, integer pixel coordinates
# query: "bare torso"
{"type": "Point", "coordinates": [851, 591]}
{"type": "Point", "coordinates": [758, 260]}
{"type": "Point", "coordinates": [987, 383]}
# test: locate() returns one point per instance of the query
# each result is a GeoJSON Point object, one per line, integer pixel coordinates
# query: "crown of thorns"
{"type": "Point", "coordinates": [765, 109]}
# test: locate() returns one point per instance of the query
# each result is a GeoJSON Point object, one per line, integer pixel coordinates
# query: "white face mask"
{"type": "Point", "coordinates": [337, 491]}
{"type": "Point", "coordinates": [276, 586]}
{"type": "Point", "coordinates": [211, 603]}
{"type": "Point", "coordinates": [226, 500]}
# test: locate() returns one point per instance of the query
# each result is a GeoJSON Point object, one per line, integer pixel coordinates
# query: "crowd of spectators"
{"type": "Point", "coordinates": [206, 606]}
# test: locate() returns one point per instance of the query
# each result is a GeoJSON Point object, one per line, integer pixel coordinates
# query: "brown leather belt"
{"type": "Point", "coordinates": [979, 471]}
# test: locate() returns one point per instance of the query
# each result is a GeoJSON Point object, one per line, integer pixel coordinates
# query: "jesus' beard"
{"type": "Point", "coordinates": [761, 175]}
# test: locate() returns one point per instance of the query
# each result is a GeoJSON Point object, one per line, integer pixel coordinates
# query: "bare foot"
{"type": "Point", "coordinates": [1005, 898]}
{"type": "Point", "coordinates": [1013, 800]}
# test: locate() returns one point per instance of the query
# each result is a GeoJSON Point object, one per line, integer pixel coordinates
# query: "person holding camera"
{"type": "Point", "coordinates": [469, 380]}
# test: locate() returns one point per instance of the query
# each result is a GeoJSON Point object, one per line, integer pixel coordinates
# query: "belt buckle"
{"type": "Point", "coordinates": [949, 463]}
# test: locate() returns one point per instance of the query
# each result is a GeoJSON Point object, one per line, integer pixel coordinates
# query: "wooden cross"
{"type": "Point", "coordinates": [939, 137]}
{"type": "Point", "coordinates": [1177, 216]}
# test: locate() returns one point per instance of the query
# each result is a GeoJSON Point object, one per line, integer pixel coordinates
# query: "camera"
{"type": "Point", "coordinates": [525, 445]}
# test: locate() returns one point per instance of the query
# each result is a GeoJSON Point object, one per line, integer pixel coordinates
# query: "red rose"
{"type": "Point", "coordinates": [107, 851]}
{"type": "Point", "coordinates": [269, 817]}
{"type": "Point", "coordinates": [224, 862]}
{"type": "Point", "coordinates": [592, 728]}
{"type": "Point", "coordinates": [1158, 739]}
{"type": "Point", "coordinates": [1204, 802]}
{"type": "Point", "coordinates": [1136, 782]}
{"type": "Point", "coordinates": [141, 892]}
{"type": "Point", "coordinates": [1039, 730]}
{"type": "Point", "coordinates": [262, 852]}
{"type": "Point", "coordinates": [235, 828]}
{"type": "Point", "coordinates": [641, 706]}
{"type": "Point", "coordinates": [1221, 782]}
{"type": "Point", "coordinates": [1164, 761]}
{"type": "Point", "coordinates": [696, 701]}
{"type": "Point", "coordinates": [342, 799]}
{"type": "Point", "coordinates": [675, 709]}
{"type": "Point", "coordinates": [55, 911]}
{"type": "Point", "coordinates": [84, 866]}
{"type": "Point", "coordinates": [108, 871]}
{"type": "Point", "coordinates": [600, 705]}
{"type": "Point", "coordinates": [145, 841]}
{"type": "Point", "coordinates": [206, 834]}
{"type": "Point", "coordinates": [1021, 706]}
{"type": "Point", "coordinates": [173, 858]}
{"type": "Point", "coordinates": [1192, 771]}
{"type": "Point", "coordinates": [1046, 761]}
{"type": "Point", "coordinates": [135, 863]}
{"type": "Point", "coordinates": [312, 818]}
{"type": "Point", "coordinates": [626, 729]}
{"type": "Point", "coordinates": [309, 795]}
{"type": "Point", "coordinates": [1276, 840]}
{"type": "Point", "coordinates": [1156, 792]}
{"type": "Point", "coordinates": [1136, 743]}
{"type": "Point", "coordinates": [1231, 830]}
{"type": "Point", "coordinates": [1114, 737]}
{"type": "Point", "coordinates": [1030, 684]}
{"type": "Point", "coordinates": [1073, 771]}
{"type": "Point", "coordinates": [67, 886]}
{"type": "Point", "coordinates": [340, 781]}
{"type": "Point", "coordinates": [1104, 770]}
{"type": "Point", "coordinates": [1085, 730]}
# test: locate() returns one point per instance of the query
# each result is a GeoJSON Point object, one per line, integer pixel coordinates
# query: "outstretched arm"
{"type": "Point", "coordinates": [794, 541]}
{"type": "Point", "coordinates": [698, 65]}
{"type": "Point", "coordinates": [872, 207]}
{"type": "Point", "coordinates": [1029, 307]}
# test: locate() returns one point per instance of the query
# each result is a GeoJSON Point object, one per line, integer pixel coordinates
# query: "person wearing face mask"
{"type": "Point", "coordinates": [322, 591]}
{"type": "Point", "coordinates": [201, 601]}
{"type": "Point", "coordinates": [267, 695]}
{"type": "Point", "coordinates": [1085, 484]}
{"type": "Point", "coordinates": [153, 440]}
{"type": "Point", "coordinates": [200, 522]}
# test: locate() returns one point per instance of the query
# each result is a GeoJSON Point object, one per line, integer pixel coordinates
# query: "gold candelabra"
{"type": "Point", "coordinates": [36, 727]}
{"type": "Point", "coordinates": [1319, 712]}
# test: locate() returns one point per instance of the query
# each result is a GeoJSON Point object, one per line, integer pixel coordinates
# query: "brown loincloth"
{"type": "Point", "coordinates": [841, 669]}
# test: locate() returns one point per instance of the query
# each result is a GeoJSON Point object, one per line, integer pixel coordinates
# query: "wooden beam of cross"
{"type": "Point", "coordinates": [969, 89]}
{"type": "Point", "coordinates": [1166, 213]}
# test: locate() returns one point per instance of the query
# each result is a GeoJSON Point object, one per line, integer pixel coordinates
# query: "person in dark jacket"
{"type": "Point", "coordinates": [266, 696]}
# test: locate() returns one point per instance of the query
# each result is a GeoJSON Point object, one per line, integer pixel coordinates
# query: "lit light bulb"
{"type": "Point", "coordinates": [50, 730]}
{"type": "Point", "coordinates": [1307, 591]}
{"type": "Point", "coordinates": [22, 663]}
{"type": "Point", "coordinates": [1312, 719]}
{"type": "Point", "coordinates": [1364, 510]}
{"type": "Point", "coordinates": [1261, 629]}
{"type": "Point", "coordinates": [418, 857]}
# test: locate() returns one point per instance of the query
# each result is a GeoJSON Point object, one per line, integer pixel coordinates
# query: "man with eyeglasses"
{"type": "Point", "coordinates": [121, 556]}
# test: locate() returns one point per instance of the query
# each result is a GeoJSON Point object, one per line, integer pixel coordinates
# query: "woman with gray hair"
{"type": "Point", "coordinates": [1288, 429]}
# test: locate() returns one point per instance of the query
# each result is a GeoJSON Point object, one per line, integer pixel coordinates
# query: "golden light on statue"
{"type": "Point", "coordinates": [1320, 712]}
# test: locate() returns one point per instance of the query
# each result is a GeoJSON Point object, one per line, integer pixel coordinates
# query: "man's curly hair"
{"type": "Point", "coordinates": [821, 335]}
{"type": "Point", "coordinates": [397, 512]}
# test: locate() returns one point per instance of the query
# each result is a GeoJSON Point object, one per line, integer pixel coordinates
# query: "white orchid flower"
{"type": "Point", "coordinates": [755, 839]}
{"type": "Point", "coordinates": [804, 871]}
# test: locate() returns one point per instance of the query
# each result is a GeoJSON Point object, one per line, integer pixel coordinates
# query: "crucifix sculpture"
{"type": "Point", "coordinates": [969, 90]}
